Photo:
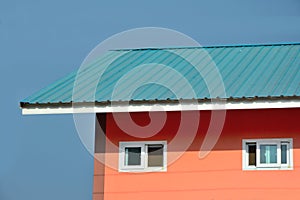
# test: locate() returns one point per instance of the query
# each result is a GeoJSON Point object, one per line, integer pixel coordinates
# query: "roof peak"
{"type": "Point", "coordinates": [209, 46]}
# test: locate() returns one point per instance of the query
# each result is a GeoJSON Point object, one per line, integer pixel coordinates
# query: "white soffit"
{"type": "Point", "coordinates": [163, 107]}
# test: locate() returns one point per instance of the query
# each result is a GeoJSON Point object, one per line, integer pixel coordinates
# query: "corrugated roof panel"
{"type": "Point", "coordinates": [244, 81]}
{"type": "Point", "coordinates": [230, 73]}
{"type": "Point", "coordinates": [246, 71]}
{"type": "Point", "coordinates": [249, 80]}
{"type": "Point", "coordinates": [278, 71]}
{"type": "Point", "coordinates": [290, 78]}
{"type": "Point", "coordinates": [292, 84]}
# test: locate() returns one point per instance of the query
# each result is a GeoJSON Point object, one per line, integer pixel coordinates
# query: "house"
{"type": "Point", "coordinates": [218, 122]}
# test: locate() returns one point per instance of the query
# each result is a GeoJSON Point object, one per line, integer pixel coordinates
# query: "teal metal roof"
{"type": "Point", "coordinates": [246, 71]}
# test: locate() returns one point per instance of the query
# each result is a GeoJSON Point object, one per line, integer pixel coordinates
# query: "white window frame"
{"type": "Point", "coordinates": [132, 167]}
{"type": "Point", "coordinates": [269, 141]}
{"type": "Point", "coordinates": [144, 157]}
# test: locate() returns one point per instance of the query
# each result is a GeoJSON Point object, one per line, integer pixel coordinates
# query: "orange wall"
{"type": "Point", "coordinates": [217, 176]}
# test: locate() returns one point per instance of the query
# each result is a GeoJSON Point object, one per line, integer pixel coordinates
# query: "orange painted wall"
{"type": "Point", "coordinates": [217, 176]}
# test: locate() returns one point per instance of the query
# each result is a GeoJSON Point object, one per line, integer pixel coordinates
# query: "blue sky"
{"type": "Point", "coordinates": [41, 157]}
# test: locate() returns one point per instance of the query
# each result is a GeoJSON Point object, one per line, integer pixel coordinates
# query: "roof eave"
{"type": "Point", "coordinates": [159, 105]}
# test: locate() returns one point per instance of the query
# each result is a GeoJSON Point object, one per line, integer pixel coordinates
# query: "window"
{"type": "Point", "coordinates": [143, 156]}
{"type": "Point", "coordinates": [267, 154]}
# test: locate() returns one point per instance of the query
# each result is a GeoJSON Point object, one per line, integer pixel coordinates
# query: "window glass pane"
{"type": "Point", "coordinates": [155, 155]}
{"type": "Point", "coordinates": [133, 156]}
{"type": "Point", "coordinates": [252, 154]}
{"type": "Point", "coordinates": [268, 154]}
{"type": "Point", "coordinates": [284, 154]}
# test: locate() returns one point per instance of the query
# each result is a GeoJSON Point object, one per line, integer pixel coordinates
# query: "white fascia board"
{"type": "Point", "coordinates": [164, 107]}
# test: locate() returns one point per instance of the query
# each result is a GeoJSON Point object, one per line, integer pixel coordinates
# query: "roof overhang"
{"type": "Point", "coordinates": [155, 105]}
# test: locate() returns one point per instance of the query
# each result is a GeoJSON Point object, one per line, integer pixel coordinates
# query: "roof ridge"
{"type": "Point", "coordinates": [209, 46]}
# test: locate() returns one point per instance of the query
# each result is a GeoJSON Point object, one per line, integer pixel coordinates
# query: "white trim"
{"type": "Point", "coordinates": [166, 107]}
{"type": "Point", "coordinates": [144, 157]}
{"type": "Point", "coordinates": [259, 166]}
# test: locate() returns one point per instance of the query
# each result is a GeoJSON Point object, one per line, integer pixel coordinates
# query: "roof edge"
{"type": "Point", "coordinates": [156, 101]}
{"type": "Point", "coordinates": [153, 106]}
{"type": "Point", "coordinates": [208, 46]}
